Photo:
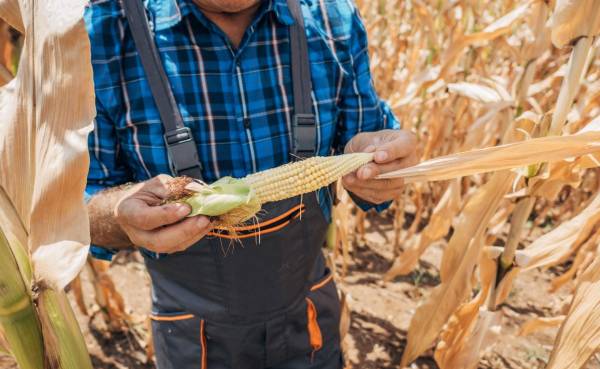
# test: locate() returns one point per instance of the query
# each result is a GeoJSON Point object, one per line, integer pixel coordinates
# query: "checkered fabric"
{"type": "Point", "coordinates": [238, 102]}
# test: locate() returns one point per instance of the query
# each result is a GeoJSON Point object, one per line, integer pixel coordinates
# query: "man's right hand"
{"type": "Point", "coordinates": [138, 213]}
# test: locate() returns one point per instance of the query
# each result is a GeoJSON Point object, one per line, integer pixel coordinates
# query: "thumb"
{"type": "Point", "coordinates": [400, 145]}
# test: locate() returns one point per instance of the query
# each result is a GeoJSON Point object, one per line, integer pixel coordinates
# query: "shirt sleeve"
{"type": "Point", "coordinates": [361, 108]}
{"type": "Point", "coordinates": [107, 167]}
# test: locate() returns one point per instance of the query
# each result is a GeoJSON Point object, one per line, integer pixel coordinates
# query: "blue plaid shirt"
{"type": "Point", "coordinates": [237, 101]}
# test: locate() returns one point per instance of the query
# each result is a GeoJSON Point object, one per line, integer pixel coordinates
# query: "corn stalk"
{"type": "Point", "coordinates": [18, 316]}
{"type": "Point", "coordinates": [570, 86]}
{"type": "Point", "coordinates": [45, 234]}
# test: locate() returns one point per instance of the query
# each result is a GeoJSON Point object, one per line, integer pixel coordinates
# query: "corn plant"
{"type": "Point", "coordinates": [44, 234]}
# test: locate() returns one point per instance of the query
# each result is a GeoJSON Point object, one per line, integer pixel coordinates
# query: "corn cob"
{"type": "Point", "coordinates": [304, 176]}
{"type": "Point", "coordinates": [232, 201]}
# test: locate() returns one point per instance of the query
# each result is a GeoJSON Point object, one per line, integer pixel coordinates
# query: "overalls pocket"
{"type": "Point", "coordinates": [313, 330]}
{"type": "Point", "coordinates": [179, 341]}
{"type": "Point", "coordinates": [323, 315]}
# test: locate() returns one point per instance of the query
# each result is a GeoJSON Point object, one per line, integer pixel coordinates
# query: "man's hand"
{"type": "Point", "coordinates": [139, 219]}
{"type": "Point", "coordinates": [393, 150]}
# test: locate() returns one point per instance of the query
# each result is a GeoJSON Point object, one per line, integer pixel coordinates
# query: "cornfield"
{"type": "Point", "coordinates": [504, 98]}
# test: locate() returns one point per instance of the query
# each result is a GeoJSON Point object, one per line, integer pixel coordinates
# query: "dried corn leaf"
{"type": "Point", "coordinates": [476, 92]}
{"type": "Point", "coordinates": [505, 286]}
{"type": "Point", "coordinates": [558, 175]}
{"type": "Point", "coordinates": [539, 323]}
{"type": "Point", "coordinates": [460, 342]}
{"type": "Point", "coordinates": [573, 19]}
{"type": "Point", "coordinates": [10, 11]}
{"type": "Point", "coordinates": [431, 316]}
{"type": "Point", "coordinates": [47, 113]}
{"type": "Point", "coordinates": [570, 84]}
{"type": "Point", "coordinates": [496, 29]}
{"type": "Point", "coordinates": [3, 344]}
{"type": "Point", "coordinates": [540, 31]}
{"type": "Point", "coordinates": [481, 336]}
{"type": "Point", "coordinates": [438, 227]}
{"type": "Point", "coordinates": [584, 257]}
{"type": "Point", "coordinates": [346, 316]}
{"type": "Point", "coordinates": [559, 243]}
{"type": "Point", "coordinates": [6, 48]}
{"type": "Point", "coordinates": [579, 336]}
{"type": "Point", "coordinates": [457, 266]}
{"type": "Point", "coordinates": [509, 156]}
{"type": "Point", "coordinates": [109, 300]}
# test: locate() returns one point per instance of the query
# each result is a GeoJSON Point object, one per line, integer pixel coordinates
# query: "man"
{"type": "Point", "coordinates": [267, 301]}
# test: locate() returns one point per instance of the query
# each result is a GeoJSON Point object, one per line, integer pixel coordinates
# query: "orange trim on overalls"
{"type": "Point", "coordinates": [203, 345]}
{"type": "Point", "coordinates": [171, 318]}
{"type": "Point", "coordinates": [264, 224]}
{"type": "Point", "coordinates": [322, 283]}
{"type": "Point", "coordinates": [260, 231]}
{"type": "Point", "coordinates": [314, 331]}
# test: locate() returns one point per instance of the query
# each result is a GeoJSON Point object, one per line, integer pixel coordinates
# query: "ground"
{"type": "Point", "coordinates": [380, 316]}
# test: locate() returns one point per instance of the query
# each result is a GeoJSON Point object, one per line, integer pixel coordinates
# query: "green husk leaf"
{"type": "Point", "coordinates": [221, 197]}
{"type": "Point", "coordinates": [64, 341]}
{"type": "Point", "coordinates": [17, 313]}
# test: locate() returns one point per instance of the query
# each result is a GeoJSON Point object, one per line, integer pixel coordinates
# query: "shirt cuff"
{"type": "Point", "coordinates": [102, 253]}
{"type": "Point", "coordinates": [366, 206]}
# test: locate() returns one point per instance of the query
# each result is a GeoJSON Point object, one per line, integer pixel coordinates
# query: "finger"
{"type": "Point", "coordinates": [374, 196]}
{"type": "Point", "coordinates": [137, 213]}
{"type": "Point", "coordinates": [362, 142]}
{"type": "Point", "coordinates": [349, 180]}
{"type": "Point", "coordinates": [402, 145]}
{"type": "Point", "coordinates": [158, 186]}
{"type": "Point", "coordinates": [372, 170]}
{"type": "Point", "coordinates": [392, 184]}
{"type": "Point", "coordinates": [388, 188]}
{"type": "Point", "coordinates": [173, 237]}
{"type": "Point", "coordinates": [185, 244]}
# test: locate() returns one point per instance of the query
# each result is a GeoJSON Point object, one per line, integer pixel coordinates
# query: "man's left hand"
{"type": "Point", "coordinates": [394, 149]}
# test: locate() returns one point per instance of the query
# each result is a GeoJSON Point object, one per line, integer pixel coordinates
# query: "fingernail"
{"type": "Point", "coordinates": [202, 222]}
{"type": "Point", "coordinates": [381, 155]}
{"type": "Point", "coordinates": [182, 209]}
{"type": "Point", "coordinates": [366, 173]}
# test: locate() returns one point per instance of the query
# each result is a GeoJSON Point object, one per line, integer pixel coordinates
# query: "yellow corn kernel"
{"type": "Point", "coordinates": [304, 176]}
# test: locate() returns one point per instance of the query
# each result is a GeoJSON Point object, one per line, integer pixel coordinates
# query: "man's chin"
{"type": "Point", "coordinates": [227, 6]}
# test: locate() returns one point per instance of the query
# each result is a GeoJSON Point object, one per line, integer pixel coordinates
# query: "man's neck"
{"type": "Point", "coordinates": [234, 25]}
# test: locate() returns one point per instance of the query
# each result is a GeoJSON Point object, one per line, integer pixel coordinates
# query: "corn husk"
{"type": "Point", "coordinates": [43, 145]}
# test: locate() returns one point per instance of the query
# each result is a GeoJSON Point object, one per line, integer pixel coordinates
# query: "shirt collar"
{"type": "Point", "coordinates": [168, 13]}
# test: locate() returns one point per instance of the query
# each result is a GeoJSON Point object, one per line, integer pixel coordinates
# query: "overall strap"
{"type": "Point", "coordinates": [304, 129]}
{"type": "Point", "coordinates": [181, 147]}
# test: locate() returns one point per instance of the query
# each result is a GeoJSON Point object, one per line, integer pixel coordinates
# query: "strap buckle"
{"type": "Point", "coordinates": [305, 136]}
{"type": "Point", "coordinates": [183, 153]}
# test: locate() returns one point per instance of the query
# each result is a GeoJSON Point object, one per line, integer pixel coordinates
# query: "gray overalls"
{"type": "Point", "coordinates": [267, 301]}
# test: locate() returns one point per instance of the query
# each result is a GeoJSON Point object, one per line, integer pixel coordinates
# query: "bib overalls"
{"type": "Point", "coordinates": [266, 300]}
